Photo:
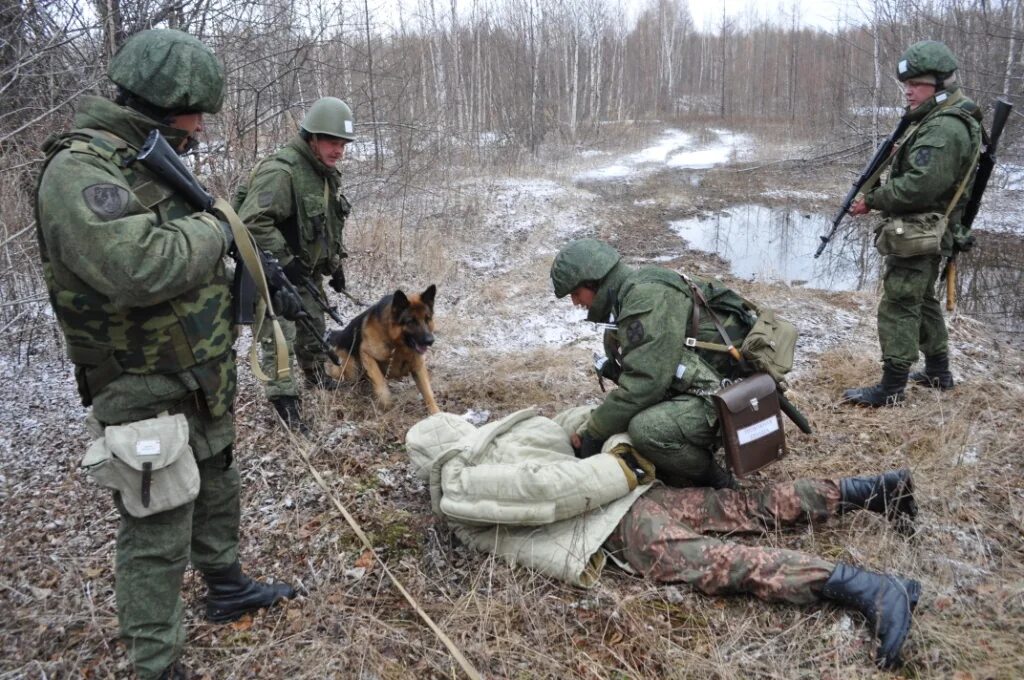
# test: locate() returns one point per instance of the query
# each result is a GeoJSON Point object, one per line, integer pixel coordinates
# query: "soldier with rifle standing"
{"type": "Point", "coordinates": [136, 278]}
{"type": "Point", "coordinates": [932, 168]}
{"type": "Point", "coordinates": [295, 210]}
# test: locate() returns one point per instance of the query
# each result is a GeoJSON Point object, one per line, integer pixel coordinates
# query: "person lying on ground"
{"type": "Point", "coordinates": [514, 488]}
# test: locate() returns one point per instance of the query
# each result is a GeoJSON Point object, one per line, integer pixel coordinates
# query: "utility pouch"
{"type": "Point", "coordinates": [751, 421]}
{"type": "Point", "coordinates": [148, 462]}
{"type": "Point", "coordinates": [911, 235]}
{"type": "Point", "coordinates": [770, 345]}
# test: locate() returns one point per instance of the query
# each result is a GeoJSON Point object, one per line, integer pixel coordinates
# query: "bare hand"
{"type": "Point", "coordinates": [859, 207]}
{"type": "Point", "coordinates": [575, 441]}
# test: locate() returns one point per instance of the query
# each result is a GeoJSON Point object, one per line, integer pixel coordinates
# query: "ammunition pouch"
{"type": "Point", "coordinates": [149, 463]}
{"type": "Point", "coordinates": [751, 422]}
{"type": "Point", "coordinates": [94, 370]}
{"type": "Point", "coordinates": [911, 235]}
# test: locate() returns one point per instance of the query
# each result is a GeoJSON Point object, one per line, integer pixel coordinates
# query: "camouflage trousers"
{"type": "Point", "coordinates": [152, 554]}
{"type": "Point", "coordinates": [662, 537]}
{"type": "Point", "coordinates": [679, 436]}
{"type": "Point", "coordinates": [910, 315]}
{"type": "Point", "coordinates": [302, 345]}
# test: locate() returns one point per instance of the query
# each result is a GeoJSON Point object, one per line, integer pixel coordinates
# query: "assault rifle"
{"type": "Point", "coordinates": [866, 175]}
{"type": "Point", "coordinates": [322, 302]}
{"type": "Point", "coordinates": [161, 160]}
{"type": "Point", "coordinates": [986, 163]}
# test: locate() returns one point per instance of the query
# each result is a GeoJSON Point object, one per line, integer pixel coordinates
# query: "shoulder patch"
{"type": "Point", "coordinates": [264, 199]}
{"type": "Point", "coordinates": [923, 156]}
{"type": "Point", "coordinates": [108, 201]}
{"type": "Point", "coordinates": [635, 332]}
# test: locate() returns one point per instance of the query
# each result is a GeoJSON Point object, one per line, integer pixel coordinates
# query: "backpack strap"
{"type": "Point", "coordinates": [691, 340]}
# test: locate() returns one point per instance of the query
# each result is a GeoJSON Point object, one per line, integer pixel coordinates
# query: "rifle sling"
{"type": "Point", "coordinates": [264, 306]}
{"type": "Point", "coordinates": [692, 341]}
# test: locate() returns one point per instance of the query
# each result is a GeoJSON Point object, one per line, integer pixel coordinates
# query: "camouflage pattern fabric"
{"type": "Point", "coordinates": [143, 283]}
{"type": "Point", "coordinates": [136, 277]}
{"type": "Point", "coordinates": [679, 436]}
{"type": "Point", "coordinates": [662, 537]}
{"type": "Point", "coordinates": [283, 207]}
{"type": "Point", "coordinates": [306, 348]}
{"type": "Point", "coordinates": [152, 554]}
{"type": "Point", "coordinates": [652, 308]}
{"type": "Point", "coordinates": [930, 163]}
{"type": "Point", "coordinates": [170, 69]}
{"type": "Point", "coordinates": [910, 315]}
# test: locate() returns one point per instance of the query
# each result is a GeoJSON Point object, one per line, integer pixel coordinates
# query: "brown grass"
{"type": "Point", "coordinates": [57, 530]}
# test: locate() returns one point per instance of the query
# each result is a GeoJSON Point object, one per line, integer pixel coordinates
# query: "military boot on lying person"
{"type": "Point", "coordinates": [515, 488]}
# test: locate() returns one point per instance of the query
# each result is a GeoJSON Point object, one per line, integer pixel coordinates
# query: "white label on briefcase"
{"type": "Point", "coordinates": [764, 428]}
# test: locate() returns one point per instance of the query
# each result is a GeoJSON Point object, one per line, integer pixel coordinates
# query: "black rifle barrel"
{"type": "Point", "coordinates": [987, 162]}
{"type": "Point", "coordinates": [880, 156]}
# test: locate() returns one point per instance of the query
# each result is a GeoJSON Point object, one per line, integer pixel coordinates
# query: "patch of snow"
{"type": "Point", "coordinates": [796, 194]}
{"type": "Point", "coordinates": [675, 149]}
{"type": "Point", "coordinates": [969, 456]}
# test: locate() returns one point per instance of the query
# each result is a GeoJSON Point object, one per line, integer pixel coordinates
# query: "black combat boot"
{"type": "Point", "coordinates": [887, 602]}
{"type": "Point", "coordinates": [318, 378]}
{"type": "Point", "coordinates": [891, 494]}
{"type": "Point", "coordinates": [231, 594]}
{"type": "Point", "coordinates": [889, 392]}
{"type": "Point", "coordinates": [176, 671]}
{"type": "Point", "coordinates": [936, 373]}
{"type": "Point", "coordinates": [288, 409]}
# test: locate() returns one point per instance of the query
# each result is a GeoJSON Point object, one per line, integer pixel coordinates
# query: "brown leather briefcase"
{"type": "Point", "coordinates": [748, 411]}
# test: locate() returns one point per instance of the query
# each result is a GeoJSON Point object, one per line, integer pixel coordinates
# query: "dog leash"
{"type": "Point", "coordinates": [467, 667]}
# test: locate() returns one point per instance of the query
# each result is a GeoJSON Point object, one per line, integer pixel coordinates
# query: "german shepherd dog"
{"type": "Point", "coordinates": [388, 340]}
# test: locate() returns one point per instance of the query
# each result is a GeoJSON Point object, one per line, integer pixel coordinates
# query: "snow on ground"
{"type": "Point", "coordinates": [675, 149]}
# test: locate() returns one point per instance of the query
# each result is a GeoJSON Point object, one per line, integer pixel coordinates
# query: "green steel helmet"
{"type": "Point", "coordinates": [928, 57]}
{"type": "Point", "coordinates": [584, 260]}
{"type": "Point", "coordinates": [330, 116]}
{"type": "Point", "coordinates": [169, 70]}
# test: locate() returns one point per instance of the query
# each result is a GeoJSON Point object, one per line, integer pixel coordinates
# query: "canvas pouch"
{"type": "Point", "coordinates": [770, 344]}
{"type": "Point", "coordinates": [911, 235]}
{"type": "Point", "coordinates": [149, 462]}
{"type": "Point", "coordinates": [751, 421]}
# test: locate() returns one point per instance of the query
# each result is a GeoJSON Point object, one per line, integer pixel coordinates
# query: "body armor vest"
{"type": "Point", "coordinates": [192, 332]}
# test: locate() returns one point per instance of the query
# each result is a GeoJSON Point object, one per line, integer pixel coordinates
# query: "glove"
{"type": "Point", "coordinates": [588, 446]}
{"type": "Point", "coordinates": [641, 467]}
{"type": "Point", "coordinates": [607, 368]}
{"type": "Point", "coordinates": [337, 281]}
{"type": "Point", "coordinates": [288, 304]}
{"type": "Point", "coordinates": [295, 271]}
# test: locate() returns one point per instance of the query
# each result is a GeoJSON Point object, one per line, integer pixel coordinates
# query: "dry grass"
{"type": "Point", "coordinates": [57, 530]}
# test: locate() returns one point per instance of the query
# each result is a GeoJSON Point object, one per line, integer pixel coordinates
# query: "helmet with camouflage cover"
{"type": "Point", "coordinates": [169, 70]}
{"type": "Point", "coordinates": [330, 116]}
{"type": "Point", "coordinates": [580, 261]}
{"type": "Point", "coordinates": [926, 58]}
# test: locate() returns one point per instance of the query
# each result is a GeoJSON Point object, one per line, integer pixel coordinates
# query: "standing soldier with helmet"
{"type": "Point", "coordinates": [930, 178]}
{"type": "Point", "coordinates": [138, 285]}
{"type": "Point", "coordinates": [294, 208]}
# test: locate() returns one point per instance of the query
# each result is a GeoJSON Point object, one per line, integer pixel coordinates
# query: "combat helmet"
{"type": "Point", "coordinates": [579, 261]}
{"type": "Point", "coordinates": [928, 57]}
{"type": "Point", "coordinates": [169, 70]}
{"type": "Point", "coordinates": [330, 116]}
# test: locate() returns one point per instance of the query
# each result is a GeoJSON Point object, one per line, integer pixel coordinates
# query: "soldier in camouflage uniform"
{"type": "Point", "coordinates": [935, 155]}
{"type": "Point", "coordinates": [513, 487]}
{"type": "Point", "coordinates": [294, 208]}
{"type": "Point", "coordinates": [663, 396]}
{"type": "Point", "coordinates": [138, 286]}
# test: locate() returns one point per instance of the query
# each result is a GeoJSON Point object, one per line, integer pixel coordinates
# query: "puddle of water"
{"type": "Point", "coordinates": [763, 243]}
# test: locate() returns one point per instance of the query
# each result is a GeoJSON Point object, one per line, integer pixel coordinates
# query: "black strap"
{"type": "Point", "coordinates": [147, 482]}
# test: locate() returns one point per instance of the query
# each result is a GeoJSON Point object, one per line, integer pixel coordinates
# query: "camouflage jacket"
{"type": "Point", "coordinates": [284, 207]}
{"type": "Point", "coordinates": [931, 161]}
{"type": "Point", "coordinates": [135, 277]}
{"type": "Point", "coordinates": [651, 307]}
